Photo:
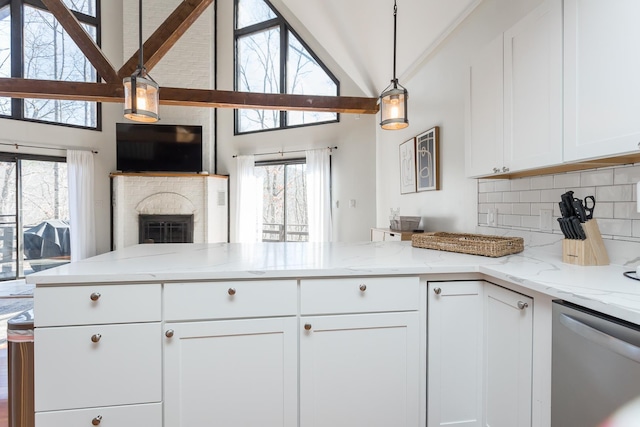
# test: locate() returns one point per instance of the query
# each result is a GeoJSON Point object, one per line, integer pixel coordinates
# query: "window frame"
{"type": "Point", "coordinates": [16, 11]}
{"type": "Point", "coordinates": [285, 30]}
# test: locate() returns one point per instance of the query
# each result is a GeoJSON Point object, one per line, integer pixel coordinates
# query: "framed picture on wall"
{"type": "Point", "coordinates": [427, 164]}
{"type": "Point", "coordinates": [408, 167]}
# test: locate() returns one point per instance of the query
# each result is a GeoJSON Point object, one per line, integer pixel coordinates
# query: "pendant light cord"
{"type": "Point", "coordinates": [141, 51]}
{"type": "Point", "coordinates": [395, 20]}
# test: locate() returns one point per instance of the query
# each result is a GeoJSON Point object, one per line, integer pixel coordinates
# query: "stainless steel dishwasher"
{"type": "Point", "coordinates": [596, 365]}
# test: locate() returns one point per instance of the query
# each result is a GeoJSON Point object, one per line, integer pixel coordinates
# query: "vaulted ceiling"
{"type": "Point", "coordinates": [358, 34]}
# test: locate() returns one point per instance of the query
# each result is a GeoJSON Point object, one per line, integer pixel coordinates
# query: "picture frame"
{"type": "Point", "coordinates": [427, 160]}
{"type": "Point", "coordinates": [408, 167]}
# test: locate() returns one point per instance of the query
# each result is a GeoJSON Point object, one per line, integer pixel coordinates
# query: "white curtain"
{"type": "Point", "coordinates": [248, 201]}
{"type": "Point", "coordinates": [81, 212]}
{"type": "Point", "coordinates": [319, 194]}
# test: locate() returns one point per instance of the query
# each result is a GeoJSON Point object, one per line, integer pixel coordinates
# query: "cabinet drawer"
{"type": "Point", "coordinates": [115, 416]}
{"type": "Point", "coordinates": [359, 295]}
{"type": "Point", "coordinates": [122, 367]}
{"type": "Point", "coordinates": [97, 304]}
{"type": "Point", "coordinates": [226, 300]}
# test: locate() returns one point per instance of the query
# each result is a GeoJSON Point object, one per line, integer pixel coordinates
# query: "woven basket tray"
{"type": "Point", "coordinates": [474, 244]}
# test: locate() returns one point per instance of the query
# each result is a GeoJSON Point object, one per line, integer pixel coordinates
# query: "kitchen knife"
{"type": "Point", "coordinates": [578, 206]}
{"type": "Point", "coordinates": [567, 200]}
{"type": "Point", "coordinates": [569, 228]}
{"type": "Point", "coordinates": [577, 227]}
{"type": "Point", "coordinates": [563, 228]}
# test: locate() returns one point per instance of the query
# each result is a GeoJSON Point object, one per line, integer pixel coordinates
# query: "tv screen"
{"type": "Point", "coordinates": [158, 148]}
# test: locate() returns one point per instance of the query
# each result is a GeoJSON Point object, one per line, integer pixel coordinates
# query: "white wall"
{"type": "Point", "coordinates": [104, 142]}
{"type": "Point", "coordinates": [436, 98]}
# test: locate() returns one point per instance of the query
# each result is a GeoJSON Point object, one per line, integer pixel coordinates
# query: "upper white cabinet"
{"type": "Point", "coordinates": [484, 112]}
{"type": "Point", "coordinates": [601, 83]}
{"type": "Point", "coordinates": [533, 89]}
{"type": "Point", "coordinates": [514, 101]}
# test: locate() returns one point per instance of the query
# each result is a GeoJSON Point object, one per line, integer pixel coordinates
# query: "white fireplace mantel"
{"type": "Point", "coordinates": [203, 196]}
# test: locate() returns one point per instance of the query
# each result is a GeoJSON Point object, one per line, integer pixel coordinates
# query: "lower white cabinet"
{"type": "Point", "coordinates": [454, 362]}
{"type": "Point", "coordinates": [360, 370]}
{"type": "Point", "coordinates": [479, 355]}
{"type": "Point", "coordinates": [508, 350]}
{"type": "Point", "coordinates": [231, 373]}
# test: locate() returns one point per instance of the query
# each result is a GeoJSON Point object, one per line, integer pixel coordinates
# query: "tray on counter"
{"type": "Point", "coordinates": [473, 244]}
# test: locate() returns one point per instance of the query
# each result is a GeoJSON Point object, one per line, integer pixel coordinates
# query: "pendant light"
{"type": "Point", "coordinates": [393, 100]}
{"type": "Point", "coordinates": [141, 92]}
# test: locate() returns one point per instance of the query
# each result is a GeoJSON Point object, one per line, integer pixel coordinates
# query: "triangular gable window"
{"type": "Point", "coordinates": [271, 58]}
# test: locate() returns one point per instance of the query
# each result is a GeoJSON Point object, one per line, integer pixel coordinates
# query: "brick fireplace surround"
{"type": "Point", "coordinates": [203, 196]}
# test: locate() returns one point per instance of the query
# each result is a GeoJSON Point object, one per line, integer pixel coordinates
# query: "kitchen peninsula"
{"type": "Point", "coordinates": [305, 334]}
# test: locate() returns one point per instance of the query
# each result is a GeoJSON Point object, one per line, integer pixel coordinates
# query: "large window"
{"type": "Point", "coordinates": [34, 45]}
{"type": "Point", "coordinates": [271, 58]}
{"type": "Point", "coordinates": [284, 201]}
{"type": "Point", "coordinates": [34, 215]}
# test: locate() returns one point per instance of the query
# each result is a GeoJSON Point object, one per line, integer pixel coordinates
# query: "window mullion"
{"type": "Point", "coordinates": [284, 41]}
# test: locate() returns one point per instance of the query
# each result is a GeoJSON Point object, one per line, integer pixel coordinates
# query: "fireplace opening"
{"type": "Point", "coordinates": [165, 228]}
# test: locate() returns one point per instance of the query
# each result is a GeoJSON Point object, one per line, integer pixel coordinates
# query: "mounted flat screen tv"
{"type": "Point", "coordinates": [158, 148]}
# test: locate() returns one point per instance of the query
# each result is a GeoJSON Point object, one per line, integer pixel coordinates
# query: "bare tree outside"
{"type": "Point", "coordinates": [50, 54]}
{"type": "Point", "coordinates": [5, 55]}
{"type": "Point", "coordinates": [284, 204]}
{"type": "Point", "coordinates": [258, 70]}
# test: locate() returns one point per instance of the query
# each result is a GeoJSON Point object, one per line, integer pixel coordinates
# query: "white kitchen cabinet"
{"type": "Point", "coordinates": [480, 355]}
{"type": "Point", "coordinates": [533, 89]}
{"type": "Point", "coordinates": [360, 370]}
{"type": "Point", "coordinates": [514, 97]}
{"type": "Point", "coordinates": [96, 357]}
{"type": "Point", "coordinates": [601, 90]}
{"type": "Point", "coordinates": [484, 112]}
{"type": "Point", "coordinates": [455, 354]}
{"type": "Point", "coordinates": [508, 350]}
{"type": "Point", "coordinates": [231, 373]}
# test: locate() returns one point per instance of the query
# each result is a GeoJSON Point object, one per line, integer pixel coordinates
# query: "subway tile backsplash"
{"type": "Point", "coordinates": [516, 204]}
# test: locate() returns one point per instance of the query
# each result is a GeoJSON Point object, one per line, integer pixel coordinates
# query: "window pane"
{"type": "Point", "coordinates": [45, 215]}
{"type": "Point", "coordinates": [306, 77]}
{"type": "Point", "coordinates": [251, 12]}
{"type": "Point", "coordinates": [5, 55]}
{"type": "Point", "coordinates": [8, 243]}
{"type": "Point", "coordinates": [296, 201]}
{"type": "Point", "coordinates": [88, 7]}
{"type": "Point", "coordinates": [273, 227]}
{"type": "Point", "coordinates": [50, 54]}
{"type": "Point", "coordinates": [258, 70]}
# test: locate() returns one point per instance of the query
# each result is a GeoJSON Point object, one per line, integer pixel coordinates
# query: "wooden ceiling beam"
{"type": "Point", "coordinates": [114, 92]}
{"type": "Point", "coordinates": [166, 35]}
{"type": "Point", "coordinates": [83, 40]}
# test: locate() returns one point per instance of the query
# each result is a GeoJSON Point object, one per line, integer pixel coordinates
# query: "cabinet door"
{"type": "Point", "coordinates": [113, 416]}
{"type": "Point", "coordinates": [507, 357]}
{"type": "Point", "coordinates": [231, 373]}
{"type": "Point", "coordinates": [454, 354]}
{"type": "Point", "coordinates": [360, 370]}
{"type": "Point", "coordinates": [484, 112]}
{"type": "Point", "coordinates": [533, 89]}
{"type": "Point", "coordinates": [601, 91]}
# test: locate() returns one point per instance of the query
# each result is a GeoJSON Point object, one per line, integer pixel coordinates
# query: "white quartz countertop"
{"type": "Point", "coordinates": [604, 289]}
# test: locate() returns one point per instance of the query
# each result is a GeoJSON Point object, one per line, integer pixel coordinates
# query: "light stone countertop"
{"type": "Point", "coordinates": [604, 289]}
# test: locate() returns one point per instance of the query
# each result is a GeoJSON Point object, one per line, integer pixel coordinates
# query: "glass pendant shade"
{"type": "Point", "coordinates": [393, 108]}
{"type": "Point", "coordinates": [141, 99]}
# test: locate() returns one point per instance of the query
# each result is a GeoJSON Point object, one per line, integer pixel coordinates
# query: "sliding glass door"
{"type": "Point", "coordinates": [35, 201]}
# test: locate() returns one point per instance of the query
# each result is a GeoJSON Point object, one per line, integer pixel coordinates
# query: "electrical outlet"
{"type": "Point", "coordinates": [546, 220]}
{"type": "Point", "coordinates": [492, 217]}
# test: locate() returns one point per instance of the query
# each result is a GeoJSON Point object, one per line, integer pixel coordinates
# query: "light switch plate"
{"type": "Point", "coordinates": [546, 220]}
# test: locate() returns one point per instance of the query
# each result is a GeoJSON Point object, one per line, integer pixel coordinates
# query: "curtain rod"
{"type": "Point", "coordinates": [285, 152]}
{"type": "Point", "coordinates": [18, 145]}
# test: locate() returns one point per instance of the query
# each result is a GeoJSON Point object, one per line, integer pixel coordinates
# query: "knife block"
{"type": "Point", "coordinates": [586, 252]}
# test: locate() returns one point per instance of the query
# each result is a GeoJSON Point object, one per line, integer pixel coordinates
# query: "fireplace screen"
{"type": "Point", "coordinates": [165, 228]}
